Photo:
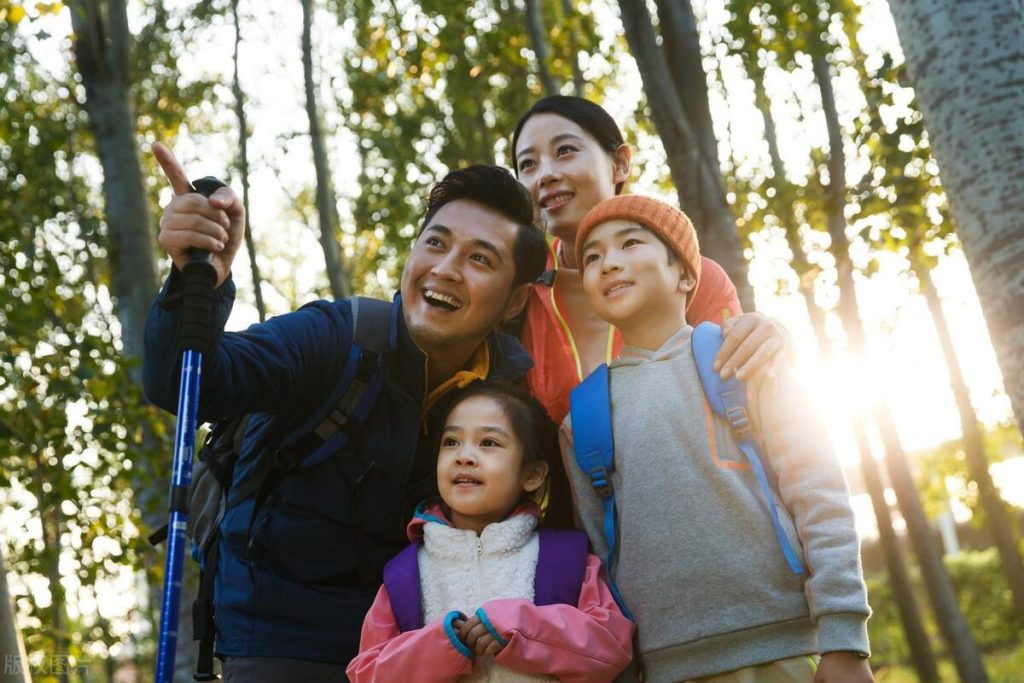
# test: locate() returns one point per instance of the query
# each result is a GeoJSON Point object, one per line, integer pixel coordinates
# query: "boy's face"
{"type": "Point", "coordinates": [480, 472]}
{"type": "Point", "coordinates": [457, 284]}
{"type": "Point", "coordinates": [629, 279]}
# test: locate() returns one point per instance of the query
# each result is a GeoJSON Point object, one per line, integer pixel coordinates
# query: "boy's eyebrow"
{"type": "Point", "coordinates": [481, 243]}
{"type": "Point", "coordinates": [556, 139]}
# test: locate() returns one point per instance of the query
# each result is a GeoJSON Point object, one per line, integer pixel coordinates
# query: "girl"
{"type": "Point", "coordinates": [570, 155]}
{"type": "Point", "coordinates": [492, 603]}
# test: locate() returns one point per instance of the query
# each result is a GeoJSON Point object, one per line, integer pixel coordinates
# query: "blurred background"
{"type": "Point", "coordinates": [805, 138]}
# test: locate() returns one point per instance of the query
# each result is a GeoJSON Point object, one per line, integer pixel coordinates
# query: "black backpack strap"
{"type": "Point", "coordinates": [202, 616]}
{"type": "Point", "coordinates": [375, 326]}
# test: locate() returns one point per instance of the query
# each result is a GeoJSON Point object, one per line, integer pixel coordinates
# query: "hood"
{"type": "Point", "coordinates": [435, 510]}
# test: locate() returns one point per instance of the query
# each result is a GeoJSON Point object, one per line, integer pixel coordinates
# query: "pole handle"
{"type": "Point", "coordinates": [198, 295]}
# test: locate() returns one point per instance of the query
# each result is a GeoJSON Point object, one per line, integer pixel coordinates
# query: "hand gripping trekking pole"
{"type": "Point", "coordinates": [197, 305]}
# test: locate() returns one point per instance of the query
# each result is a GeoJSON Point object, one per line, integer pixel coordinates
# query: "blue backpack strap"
{"type": "Point", "coordinates": [728, 398]}
{"type": "Point", "coordinates": [402, 581]}
{"type": "Point", "coordinates": [590, 408]}
{"type": "Point", "coordinates": [561, 561]}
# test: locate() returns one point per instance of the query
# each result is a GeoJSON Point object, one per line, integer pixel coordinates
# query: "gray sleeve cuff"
{"type": "Point", "coordinates": [843, 631]}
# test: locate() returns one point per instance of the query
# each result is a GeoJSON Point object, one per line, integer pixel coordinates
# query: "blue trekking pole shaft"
{"type": "Point", "coordinates": [197, 305]}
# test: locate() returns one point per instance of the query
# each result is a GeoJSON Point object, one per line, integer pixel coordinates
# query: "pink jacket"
{"type": "Point", "coordinates": [590, 642]}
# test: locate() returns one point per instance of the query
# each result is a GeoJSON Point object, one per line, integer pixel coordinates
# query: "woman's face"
{"type": "Point", "coordinates": [566, 171]}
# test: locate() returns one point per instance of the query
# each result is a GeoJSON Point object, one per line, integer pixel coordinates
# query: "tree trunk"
{"type": "Point", "coordinates": [952, 625]}
{"type": "Point", "coordinates": [910, 616]}
{"type": "Point", "coordinates": [965, 61]}
{"type": "Point", "coordinates": [12, 649]}
{"type": "Point", "coordinates": [243, 168]}
{"type": "Point", "coordinates": [783, 195]}
{"type": "Point", "coordinates": [697, 182]}
{"type": "Point", "coordinates": [539, 41]}
{"type": "Point", "coordinates": [996, 518]}
{"type": "Point", "coordinates": [102, 50]}
{"type": "Point", "coordinates": [325, 205]}
{"type": "Point", "coordinates": [680, 43]}
{"type": "Point", "coordinates": [573, 26]}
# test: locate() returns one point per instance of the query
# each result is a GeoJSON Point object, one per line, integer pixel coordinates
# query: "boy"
{"type": "Point", "coordinates": [699, 564]}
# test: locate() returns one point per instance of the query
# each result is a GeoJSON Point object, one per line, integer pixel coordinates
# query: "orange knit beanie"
{"type": "Point", "coordinates": [666, 221]}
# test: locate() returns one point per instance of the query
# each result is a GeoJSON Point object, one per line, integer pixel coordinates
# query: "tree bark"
{"type": "Point", "coordinates": [965, 62]}
{"type": "Point", "coordinates": [681, 46]}
{"type": "Point", "coordinates": [243, 164]}
{"type": "Point", "coordinates": [910, 616]}
{"type": "Point", "coordinates": [539, 41]}
{"type": "Point", "coordinates": [573, 26]}
{"type": "Point", "coordinates": [697, 182]}
{"type": "Point", "coordinates": [996, 518]}
{"type": "Point", "coordinates": [12, 648]}
{"type": "Point", "coordinates": [959, 640]}
{"type": "Point", "coordinates": [325, 205]}
{"type": "Point", "coordinates": [102, 50]}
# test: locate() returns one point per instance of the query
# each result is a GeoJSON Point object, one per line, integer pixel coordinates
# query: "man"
{"type": "Point", "coordinates": [294, 581]}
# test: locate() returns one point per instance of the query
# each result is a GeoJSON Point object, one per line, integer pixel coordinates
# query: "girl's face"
{"type": "Point", "coordinates": [566, 171]}
{"type": "Point", "coordinates": [480, 471]}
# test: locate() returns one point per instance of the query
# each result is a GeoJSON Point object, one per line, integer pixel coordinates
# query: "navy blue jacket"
{"type": "Point", "coordinates": [303, 585]}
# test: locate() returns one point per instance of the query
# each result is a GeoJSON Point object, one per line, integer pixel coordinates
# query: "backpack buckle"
{"type": "Point", "coordinates": [740, 423]}
{"type": "Point", "coordinates": [600, 480]}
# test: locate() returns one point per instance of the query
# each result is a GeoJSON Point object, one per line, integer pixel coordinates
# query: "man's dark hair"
{"type": "Point", "coordinates": [496, 188]}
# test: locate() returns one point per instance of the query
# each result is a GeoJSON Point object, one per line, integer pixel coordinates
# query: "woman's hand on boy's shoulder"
{"type": "Point", "coordinates": [474, 634]}
{"type": "Point", "coordinates": [843, 667]}
{"type": "Point", "coordinates": [751, 343]}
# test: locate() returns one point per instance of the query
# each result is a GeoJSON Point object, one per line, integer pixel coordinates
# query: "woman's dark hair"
{"type": "Point", "coordinates": [495, 188]}
{"type": "Point", "coordinates": [538, 435]}
{"type": "Point", "coordinates": [587, 115]}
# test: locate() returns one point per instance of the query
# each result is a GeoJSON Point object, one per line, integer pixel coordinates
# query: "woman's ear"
{"type": "Point", "coordinates": [687, 283]}
{"type": "Point", "coordinates": [622, 159]}
{"type": "Point", "coordinates": [536, 475]}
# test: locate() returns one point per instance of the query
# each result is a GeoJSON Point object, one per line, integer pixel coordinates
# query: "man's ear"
{"type": "Point", "coordinates": [517, 301]}
{"type": "Point", "coordinates": [622, 159]}
{"type": "Point", "coordinates": [538, 472]}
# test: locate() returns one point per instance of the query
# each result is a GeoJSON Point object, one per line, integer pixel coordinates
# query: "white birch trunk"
{"type": "Point", "coordinates": [965, 59]}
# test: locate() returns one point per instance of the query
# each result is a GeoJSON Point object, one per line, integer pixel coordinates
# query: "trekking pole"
{"type": "Point", "coordinates": [197, 303]}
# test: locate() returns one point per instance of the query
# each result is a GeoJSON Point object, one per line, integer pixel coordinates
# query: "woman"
{"type": "Point", "coordinates": [570, 155]}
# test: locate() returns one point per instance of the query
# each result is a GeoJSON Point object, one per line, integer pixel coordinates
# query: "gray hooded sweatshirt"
{"type": "Point", "coordinates": [698, 561]}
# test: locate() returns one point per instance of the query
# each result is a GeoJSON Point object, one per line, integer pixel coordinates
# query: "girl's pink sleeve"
{"type": "Point", "coordinates": [590, 642]}
{"type": "Point", "coordinates": [430, 654]}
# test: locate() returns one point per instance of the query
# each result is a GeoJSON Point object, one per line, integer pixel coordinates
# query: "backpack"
{"type": "Point", "coordinates": [590, 408]}
{"type": "Point", "coordinates": [558, 579]}
{"type": "Point", "coordinates": [212, 492]}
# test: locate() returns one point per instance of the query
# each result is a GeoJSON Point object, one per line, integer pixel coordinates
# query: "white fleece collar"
{"type": "Point", "coordinates": [505, 537]}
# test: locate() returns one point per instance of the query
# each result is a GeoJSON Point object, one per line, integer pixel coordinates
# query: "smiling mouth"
{"type": "Point", "coordinates": [617, 287]}
{"type": "Point", "coordinates": [443, 301]}
{"type": "Point", "coordinates": [466, 480]}
{"type": "Point", "coordinates": [556, 200]}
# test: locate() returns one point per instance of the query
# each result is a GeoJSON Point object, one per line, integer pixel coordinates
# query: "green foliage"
{"type": "Point", "coordinates": [78, 442]}
{"type": "Point", "coordinates": [435, 86]}
{"type": "Point", "coordinates": [983, 595]}
{"type": "Point", "coordinates": [948, 460]}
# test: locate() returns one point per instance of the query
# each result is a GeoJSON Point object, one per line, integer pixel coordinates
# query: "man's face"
{"type": "Point", "coordinates": [457, 282]}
